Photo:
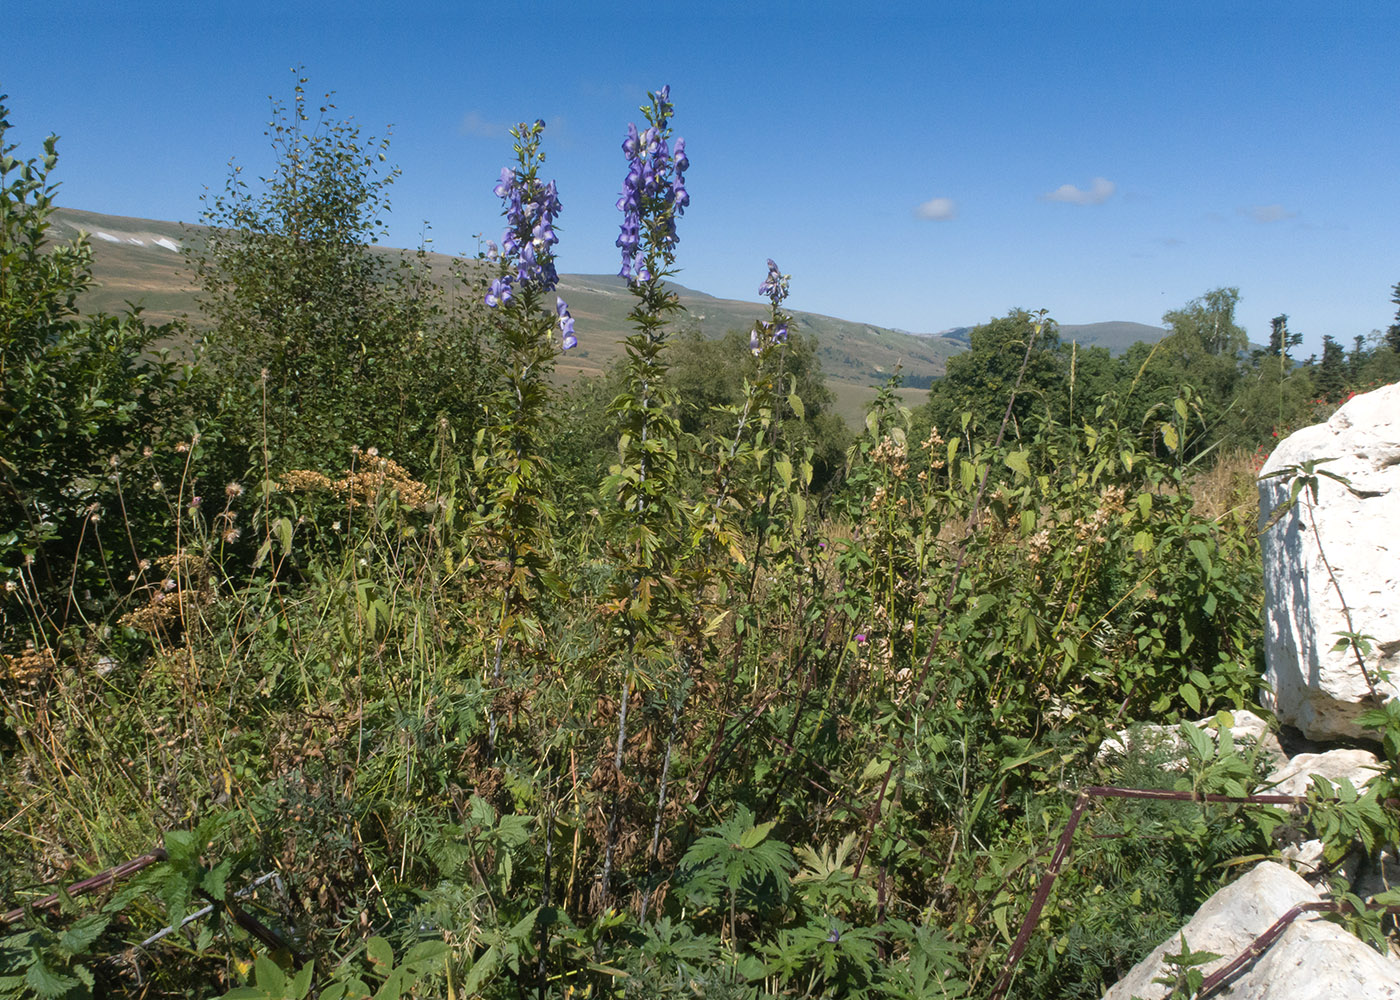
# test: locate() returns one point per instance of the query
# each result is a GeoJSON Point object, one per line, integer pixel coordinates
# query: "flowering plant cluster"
{"type": "Point", "coordinates": [531, 206]}
{"type": "Point", "coordinates": [653, 193]}
{"type": "Point", "coordinates": [526, 254]}
{"type": "Point", "coordinates": [775, 290]}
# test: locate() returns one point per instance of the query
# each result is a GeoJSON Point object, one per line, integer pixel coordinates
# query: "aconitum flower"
{"type": "Point", "coordinates": [566, 323]}
{"type": "Point", "coordinates": [500, 292]}
{"type": "Point", "coordinates": [530, 209]}
{"type": "Point", "coordinates": [653, 192]}
{"type": "Point", "coordinates": [775, 286]}
{"type": "Point", "coordinates": [763, 334]}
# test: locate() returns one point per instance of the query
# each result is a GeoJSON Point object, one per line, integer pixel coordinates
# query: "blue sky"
{"type": "Point", "coordinates": [920, 166]}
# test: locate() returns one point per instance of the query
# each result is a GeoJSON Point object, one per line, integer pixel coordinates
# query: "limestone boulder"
{"type": "Point", "coordinates": [1314, 959]}
{"type": "Point", "coordinates": [1295, 776]}
{"type": "Point", "coordinates": [1342, 547]}
{"type": "Point", "coordinates": [1249, 732]}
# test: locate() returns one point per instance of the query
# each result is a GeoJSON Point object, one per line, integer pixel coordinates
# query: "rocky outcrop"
{"type": "Point", "coordinates": [1314, 959]}
{"type": "Point", "coordinates": [1328, 556]}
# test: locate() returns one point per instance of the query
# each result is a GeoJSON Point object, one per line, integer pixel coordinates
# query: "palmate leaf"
{"type": "Point", "coordinates": [742, 852]}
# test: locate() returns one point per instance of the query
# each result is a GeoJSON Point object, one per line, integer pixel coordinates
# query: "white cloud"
{"type": "Point", "coordinates": [474, 124]}
{"type": "Point", "coordinates": [937, 209]}
{"type": "Point", "coordinates": [1267, 213]}
{"type": "Point", "coordinates": [1099, 192]}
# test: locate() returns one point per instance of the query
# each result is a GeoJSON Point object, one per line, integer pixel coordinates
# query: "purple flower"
{"type": "Point", "coordinates": [653, 192]}
{"type": "Point", "coordinates": [860, 638]}
{"type": "Point", "coordinates": [775, 286]}
{"type": "Point", "coordinates": [780, 334]}
{"type": "Point", "coordinates": [500, 292]}
{"type": "Point", "coordinates": [755, 344]}
{"type": "Point", "coordinates": [506, 185]}
{"type": "Point", "coordinates": [530, 209]}
{"type": "Point", "coordinates": [566, 323]}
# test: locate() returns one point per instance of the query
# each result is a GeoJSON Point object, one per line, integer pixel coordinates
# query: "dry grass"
{"type": "Point", "coordinates": [1227, 489]}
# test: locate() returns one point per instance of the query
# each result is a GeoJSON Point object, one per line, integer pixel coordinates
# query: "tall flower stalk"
{"type": "Point", "coordinates": [519, 507]}
{"type": "Point", "coordinates": [650, 525]}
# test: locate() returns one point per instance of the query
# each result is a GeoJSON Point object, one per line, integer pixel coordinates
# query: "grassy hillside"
{"type": "Point", "coordinates": [139, 261]}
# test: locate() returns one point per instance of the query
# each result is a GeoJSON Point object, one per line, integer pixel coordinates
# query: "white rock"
{"type": "Point", "coordinates": [1313, 959]}
{"type": "Point", "coordinates": [1293, 778]}
{"type": "Point", "coordinates": [1320, 691]}
{"type": "Point", "coordinates": [1249, 731]}
{"type": "Point", "coordinates": [1304, 857]}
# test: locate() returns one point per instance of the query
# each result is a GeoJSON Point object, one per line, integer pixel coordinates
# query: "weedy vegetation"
{"type": "Point", "coordinates": [407, 672]}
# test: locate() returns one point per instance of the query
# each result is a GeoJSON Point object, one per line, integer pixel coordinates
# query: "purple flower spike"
{"type": "Point", "coordinates": [780, 335]}
{"type": "Point", "coordinates": [775, 285]}
{"type": "Point", "coordinates": [653, 192]}
{"type": "Point", "coordinates": [531, 206]}
{"type": "Point", "coordinates": [566, 323]}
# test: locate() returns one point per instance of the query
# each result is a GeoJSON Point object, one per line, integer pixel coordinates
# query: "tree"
{"type": "Point", "coordinates": [1356, 360]}
{"type": "Point", "coordinates": [1281, 338]}
{"type": "Point", "coordinates": [1210, 320]}
{"type": "Point", "coordinates": [1392, 335]}
{"type": "Point", "coordinates": [322, 340]}
{"type": "Point", "coordinates": [82, 396]}
{"type": "Point", "coordinates": [980, 380]}
{"type": "Point", "coordinates": [1330, 376]}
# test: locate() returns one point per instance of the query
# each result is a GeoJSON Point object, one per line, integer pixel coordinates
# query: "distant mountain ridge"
{"type": "Point", "coordinates": [1116, 335]}
{"type": "Point", "coordinates": [140, 261]}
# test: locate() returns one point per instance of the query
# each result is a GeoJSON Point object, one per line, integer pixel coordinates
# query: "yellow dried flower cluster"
{"type": "Point", "coordinates": [378, 477]}
{"type": "Point", "coordinates": [28, 665]}
{"type": "Point", "coordinates": [892, 454]}
{"type": "Point", "coordinates": [934, 440]}
{"type": "Point", "coordinates": [1111, 503]}
{"type": "Point", "coordinates": [185, 583]}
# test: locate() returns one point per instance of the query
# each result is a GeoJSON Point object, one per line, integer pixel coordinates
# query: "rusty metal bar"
{"type": "Point", "coordinates": [1221, 977]}
{"type": "Point", "coordinates": [99, 881]}
{"type": "Point", "coordinates": [1062, 850]}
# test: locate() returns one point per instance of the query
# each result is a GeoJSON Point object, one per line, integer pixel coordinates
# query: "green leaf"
{"type": "Point", "coordinates": [379, 952]}
{"type": "Point", "coordinates": [82, 933]}
{"type": "Point", "coordinates": [754, 836]}
{"type": "Point", "coordinates": [45, 982]}
{"type": "Point", "coordinates": [1016, 462]}
{"type": "Point", "coordinates": [214, 879]}
{"type": "Point", "coordinates": [269, 975]}
{"type": "Point", "coordinates": [481, 971]}
{"type": "Point", "coordinates": [795, 402]}
{"type": "Point", "coordinates": [1191, 696]}
{"type": "Point", "coordinates": [301, 983]}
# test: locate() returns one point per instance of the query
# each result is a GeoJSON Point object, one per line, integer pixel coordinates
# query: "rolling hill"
{"type": "Point", "coordinates": [140, 262]}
